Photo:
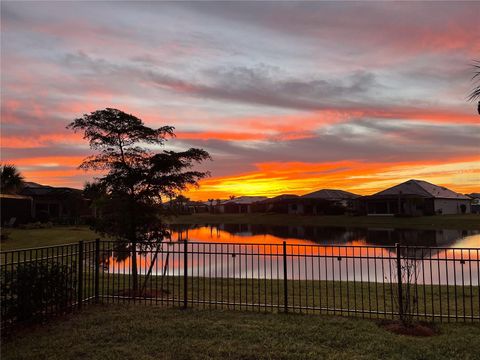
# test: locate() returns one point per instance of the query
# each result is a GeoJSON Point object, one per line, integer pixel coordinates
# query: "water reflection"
{"type": "Point", "coordinates": [246, 233]}
{"type": "Point", "coordinates": [256, 252]}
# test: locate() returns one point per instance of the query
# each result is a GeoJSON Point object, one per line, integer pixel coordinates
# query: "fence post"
{"type": "Point", "coordinates": [185, 273]}
{"type": "Point", "coordinates": [285, 278]}
{"type": "Point", "coordinates": [80, 274]}
{"type": "Point", "coordinates": [399, 281]}
{"type": "Point", "coordinates": [97, 269]}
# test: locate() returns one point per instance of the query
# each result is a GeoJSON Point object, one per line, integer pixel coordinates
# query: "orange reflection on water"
{"type": "Point", "coordinates": [215, 241]}
{"type": "Point", "coordinates": [267, 244]}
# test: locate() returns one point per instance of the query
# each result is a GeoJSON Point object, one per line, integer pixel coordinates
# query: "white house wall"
{"type": "Point", "coordinates": [451, 206]}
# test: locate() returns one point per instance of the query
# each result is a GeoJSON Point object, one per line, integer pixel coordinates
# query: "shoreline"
{"type": "Point", "coordinates": [439, 222]}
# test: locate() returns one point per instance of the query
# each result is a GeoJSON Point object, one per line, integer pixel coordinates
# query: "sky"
{"type": "Point", "coordinates": [288, 97]}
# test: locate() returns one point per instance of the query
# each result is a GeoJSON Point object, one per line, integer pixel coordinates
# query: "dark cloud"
{"type": "Point", "coordinates": [24, 122]}
{"type": "Point", "coordinates": [392, 26]}
{"type": "Point", "coordinates": [258, 85]}
{"type": "Point", "coordinates": [59, 150]}
{"type": "Point", "coordinates": [359, 140]}
{"type": "Point", "coordinates": [265, 86]}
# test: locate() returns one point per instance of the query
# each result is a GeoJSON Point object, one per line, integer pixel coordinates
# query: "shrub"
{"type": "Point", "coordinates": [33, 289]}
{"type": "Point", "coordinates": [4, 235]}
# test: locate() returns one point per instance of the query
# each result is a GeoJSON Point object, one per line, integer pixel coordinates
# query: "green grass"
{"type": "Point", "coordinates": [362, 299]}
{"type": "Point", "coordinates": [31, 238]}
{"type": "Point", "coordinates": [461, 222]}
{"type": "Point", "coordinates": [150, 332]}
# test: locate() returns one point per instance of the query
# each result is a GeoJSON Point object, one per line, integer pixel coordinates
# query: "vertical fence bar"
{"type": "Point", "coordinates": [97, 269]}
{"type": "Point", "coordinates": [185, 273]}
{"type": "Point", "coordinates": [399, 281]}
{"type": "Point", "coordinates": [285, 279]}
{"type": "Point", "coordinates": [80, 274]}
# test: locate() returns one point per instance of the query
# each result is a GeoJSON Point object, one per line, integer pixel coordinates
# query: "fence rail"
{"type": "Point", "coordinates": [369, 281]}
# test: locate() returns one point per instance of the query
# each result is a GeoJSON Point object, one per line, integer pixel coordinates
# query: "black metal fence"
{"type": "Point", "coordinates": [375, 282]}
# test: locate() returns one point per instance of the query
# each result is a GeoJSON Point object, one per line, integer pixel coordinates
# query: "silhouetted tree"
{"type": "Point", "coordinates": [211, 204]}
{"type": "Point", "coordinates": [11, 179]}
{"type": "Point", "coordinates": [475, 94]}
{"type": "Point", "coordinates": [181, 200]}
{"type": "Point", "coordinates": [179, 204]}
{"type": "Point", "coordinates": [96, 193]}
{"type": "Point", "coordinates": [136, 180]}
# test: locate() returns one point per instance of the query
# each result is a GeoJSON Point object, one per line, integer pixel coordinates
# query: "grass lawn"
{"type": "Point", "coordinates": [362, 299]}
{"type": "Point", "coordinates": [150, 332]}
{"type": "Point", "coordinates": [461, 222]}
{"type": "Point", "coordinates": [23, 238]}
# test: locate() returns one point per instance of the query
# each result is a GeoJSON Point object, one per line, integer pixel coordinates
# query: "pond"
{"type": "Point", "coordinates": [325, 235]}
{"type": "Point", "coordinates": [312, 253]}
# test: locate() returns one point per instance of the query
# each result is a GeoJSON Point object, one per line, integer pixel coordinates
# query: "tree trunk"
{"type": "Point", "coordinates": [149, 272]}
{"type": "Point", "coordinates": [165, 267]}
{"type": "Point", "coordinates": [134, 268]}
{"type": "Point", "coordinates": [133, 241]}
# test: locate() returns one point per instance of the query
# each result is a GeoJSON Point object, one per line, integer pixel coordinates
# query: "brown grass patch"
{"type": "Point", "coordinates": [416, 329]}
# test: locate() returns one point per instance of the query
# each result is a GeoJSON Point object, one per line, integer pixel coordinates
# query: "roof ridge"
{"type": "Point", "coordinates": [316, 191]}
{"type": "Point", "coordinates": [421, 188]}
{"type": "Point", "coordinates": [436, 186]}
{"type": "Point", "coordinates": [416, 182]}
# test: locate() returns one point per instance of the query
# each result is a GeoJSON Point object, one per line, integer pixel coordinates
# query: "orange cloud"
{"type": "Point", "coordinates": [271, 179]}
{"type": "Point", "coordinates": [32, 141]}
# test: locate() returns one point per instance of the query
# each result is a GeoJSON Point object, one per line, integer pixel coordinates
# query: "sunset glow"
{"type": "Point", "coordinates": [286, 97]}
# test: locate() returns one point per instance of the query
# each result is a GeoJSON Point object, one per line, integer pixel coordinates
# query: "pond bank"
{"type": "Point", "coordinates": [460, 222]}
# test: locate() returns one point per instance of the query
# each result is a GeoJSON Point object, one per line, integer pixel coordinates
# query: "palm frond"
{"type": "Point", "coordinates": [475, 93]}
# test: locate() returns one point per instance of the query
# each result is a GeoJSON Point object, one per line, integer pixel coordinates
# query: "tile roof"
{"type": "Point", "coordinates": [423, 189]}
{"type": "Point", "coordinates": [331, 194]}
{"type": "Point", "coordinates": [245, 200]}
{"type": "Point", "coordinates": [34, 189]}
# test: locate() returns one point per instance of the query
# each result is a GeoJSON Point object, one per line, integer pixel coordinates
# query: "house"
{"type": "Point", "coordinates": [15, 209]}
{"type": "Point", "coordinates": [335, 197]}
{"type": "Point", "coordinates": [196, 207]}
{"type": "Point", "coordinates": [415, 198]}
{"type": "Point", "coordinates": [475, 204]}
{"type": "Point", "coordinates": [56, 203]}
{"type": "Point", "coordinates": [325, 201]}
{"type": "Point", "coordinates": [278, 204]}
{"type": "Point", "coordinates": [186, 206]}
{"type": "Point", "coordinates": [241, 204]}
